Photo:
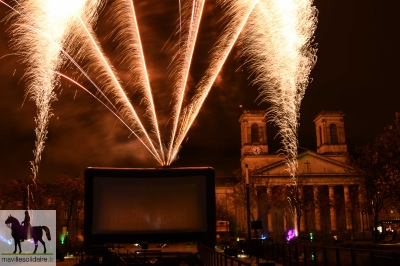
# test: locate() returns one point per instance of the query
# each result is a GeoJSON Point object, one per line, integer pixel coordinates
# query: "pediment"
{"type": "Point", "coordinates": [309, 162]}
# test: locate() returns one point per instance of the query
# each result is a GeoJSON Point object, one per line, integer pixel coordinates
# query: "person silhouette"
{"type": "Point", "coordinates": [26, 223]}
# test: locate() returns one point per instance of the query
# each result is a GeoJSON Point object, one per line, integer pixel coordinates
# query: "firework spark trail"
{"type": "Point", "coordinates": [112, 110]}
{"type": "Point", "coordinates": [10, 7]}
{"type": "Point", "coordinates": [237, 14]}
{"type": "Point", "coordinates": [180, 23]}
{"type": "Point", "coordinates": [277, 43]}
{"type": "Point", "coordinates": [41, 54]}
{"type": "Point", "coordinates": [182, 61]}
{"type": "Point", "coordinates": [130, 51]}
{"type": "Point", "coordinates": [111, 85]}
{"type": "Point", "coordinates": [82, 71]}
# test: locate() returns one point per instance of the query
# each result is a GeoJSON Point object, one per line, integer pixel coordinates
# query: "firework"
{"type": "Point", "coordinates": [129, 51]}
{"type": "Point", "coordinates": [277, 45]}
{"type": "Point", "coordinates": [182, 61]}
{"type": "Point", "coordinates": [274, 36]}
{"type": "Point", "coordinates": [54, 20]}
{"type": "Point", "coordinates": [236, 16]}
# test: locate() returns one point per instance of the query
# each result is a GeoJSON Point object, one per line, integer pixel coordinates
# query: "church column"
{"type": "Point", "coordinates": [317, 210]}
{"type": "Point", "coordinates": [303, 217]}
{"type": "Point", "coordinates": [348, 208]}
{"type": "Point", "coordinates": [332, 209]}
{"type": "Point", "coordinates": [284, 221]}
{"type": "Point", "coordinates": [270, 224]}
{"type": "Point", "coordinates": [362, 211]}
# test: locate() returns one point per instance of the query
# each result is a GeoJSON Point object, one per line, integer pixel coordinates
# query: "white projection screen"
{"type": "Point", "coordinates": [149, 205]}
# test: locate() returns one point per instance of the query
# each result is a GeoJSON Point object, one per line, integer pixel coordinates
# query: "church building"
{"type": "Point", "coordinates": [327, 186]}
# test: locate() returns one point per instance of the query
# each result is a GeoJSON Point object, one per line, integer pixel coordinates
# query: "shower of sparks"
{"type": "Point", "coordinates": [277, 44]}
{"type": "Point", "coordinates": [237, 17]}
{"type": "Point", "coordinates": [53, 19]}
{"type": "Point", "coordinates": [130, 51]}
{"type": "Point", "coordinates": [182, 61]}
{"type": "Point", "coordinates": [275, 37]}
{"type": "Point", "coordinates": [113, 87]}
{"type": "Point", "coordinates": [112, 109]}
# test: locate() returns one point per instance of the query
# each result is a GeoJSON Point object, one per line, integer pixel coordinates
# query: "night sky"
{"type": "Point", "coordinates": [356, 72]}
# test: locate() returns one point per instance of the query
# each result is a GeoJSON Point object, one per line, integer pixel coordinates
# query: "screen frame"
{"type": "Point", "coordinates": [207, 238]}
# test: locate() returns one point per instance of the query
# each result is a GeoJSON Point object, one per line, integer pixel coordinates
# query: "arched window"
{"type": "Point", "coordinates": [334, 134]}
{"type": "Point", "coordinates": [255, 133]}
{"type": "Point", "coordinates": [320, 135]}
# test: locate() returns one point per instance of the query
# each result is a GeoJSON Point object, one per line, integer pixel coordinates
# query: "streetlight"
{"type": "Point", "coordinates": [248, 208]}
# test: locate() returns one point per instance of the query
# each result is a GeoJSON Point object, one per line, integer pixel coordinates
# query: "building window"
{"type": "Point", "coordinates": [222, 226]}
{"type": "Point", "coordinates": [64, 214]}
{"type": "Point", "coordinates": [255, 133]}
{"type": "Point", "coordinates": [334, 134]}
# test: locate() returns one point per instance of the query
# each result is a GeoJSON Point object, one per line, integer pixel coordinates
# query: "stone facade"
{"type": "Point", "coordinates": [323, 176]}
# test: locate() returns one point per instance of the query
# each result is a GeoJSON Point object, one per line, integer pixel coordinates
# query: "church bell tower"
{"type": "Point", "coordinates": [330, 133]}
{"type": "Point", "coordinates": [254, 137]}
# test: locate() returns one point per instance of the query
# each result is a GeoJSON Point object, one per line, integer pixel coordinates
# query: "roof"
{"type": "Point", "coordinates": [315, 164]}
{"type": "Point", "coordinates": [225, 181]}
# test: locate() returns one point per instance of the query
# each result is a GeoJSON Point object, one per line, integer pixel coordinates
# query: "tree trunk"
{"type": "Point", "coordinates": [68, 220]}
{"type": "Point", "coordinates": [376, 233]}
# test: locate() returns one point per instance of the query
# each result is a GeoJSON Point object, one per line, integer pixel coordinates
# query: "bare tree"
{"type": "Point", "coordinates": [69, 193]}
{"type": "Point", "coordinates": [301, 200]}
{"type": "Point", "coordinates": [259, 204]}
{"type": "Point", "coordinates": [378, 165]}
{"type": "Point", "coordinates": [13, 195]}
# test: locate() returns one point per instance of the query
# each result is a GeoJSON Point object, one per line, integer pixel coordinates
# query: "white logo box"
{"type": "Point", "coordinates": [26, 257]}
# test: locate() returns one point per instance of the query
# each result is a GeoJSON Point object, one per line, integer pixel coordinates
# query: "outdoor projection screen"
{"type": "Point", "coordinates": [149, 205]}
